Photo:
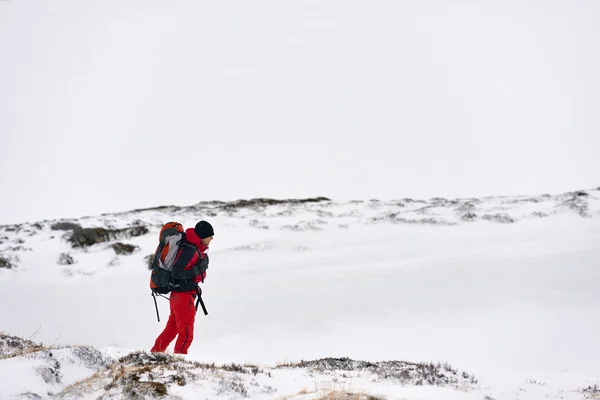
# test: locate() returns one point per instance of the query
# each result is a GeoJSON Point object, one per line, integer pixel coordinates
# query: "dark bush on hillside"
{"type": "Point", "coordinates": [123, 248]}
{"type": "Point", "coordinates": [264, 202]}
{"type": "Point", "coordinates": [501, 218]}
{"type": "Point", "coordinates": [138, 230]}
{"type": "Point", "coordinates": [5, 262]}
{"type": "Point", "coordinates": [85, 237]}
{"type": "Point", "coordinates": [65, 226]}
{"type": "Point", "coordinates": [469, 217]}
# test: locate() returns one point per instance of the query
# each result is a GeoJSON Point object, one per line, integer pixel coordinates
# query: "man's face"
{"type": "Point", "coordinates": [207, 240]}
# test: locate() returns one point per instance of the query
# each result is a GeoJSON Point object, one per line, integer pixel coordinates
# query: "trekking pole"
{"type": "Point", "coordinates": [156, 306]}
{"type": "Point", "coordinates": [202, 304]}
{"type": "Point", "coordinates": [199, 293]}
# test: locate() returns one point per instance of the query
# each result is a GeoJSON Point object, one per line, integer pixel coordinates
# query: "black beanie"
{"type": "Point", "coordinates": [203, 229]}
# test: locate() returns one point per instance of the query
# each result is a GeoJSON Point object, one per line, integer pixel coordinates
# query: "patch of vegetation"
{"type": "Point", "coordinates": [5, 262]}
{"type": "Point", "coordinates": [91, 357]}
{"type": "Point", "coordinates": [577, 202]}
{"type": "Point", "coordinates": [13, 228]}
{"type": "Point", "coordinates": [265, 202]}
{"type": "Point", "coordinates": [469, 217]}
{"type": "Point", "coordinates": [65, 259]}
{"type": "Point", "coordinates": [50, 373]}
{"type": "Point", "coordinates": [134, 231]}
{"type": "Point", "coordinates": [501, 218]}
{"type": "Point", "coordinates": [438, 200]}
{"type": "Point", "coordinates": [591, 392]}
{"type": "Point", "coordinates": [127, 380]}
{"type": "Point", "coordinates": [85, 237]}
{"type": "Point", "coordinates": [464, 208]}
{"type": "Point", "coordinates": [14, 346]}
{"type": "Point", "coordinates": [539, 214]}
{"type": "Point", "coordinates": [403, 371]}
{"type": "Point", "coordinates": [314, 225]}
{"type": "Point", "coordinates": [123, 248]}
{"type": "Point", "coordinates": [30, 396]}
{"type": "Point", "coordinates": [139, 390]}
{"type": "Point", "coordinates": [142, 358]}
{"type": "Point", "coordinates": [179, 380]}
{"type": "Point", "coordinates": [65, 226]}
{"type": "Point", "coordinates": [171, 209]}
{"type": "Point", "coordinates": [339, 395]}
{"type": "Point", "coordinates": [137, 375]}
{"type": "Point", "coordinates": [258, 224]}
{"type": "Point", "coordinates": [227, 386]}
{"type": "Point", "coordinates": [396, 218]}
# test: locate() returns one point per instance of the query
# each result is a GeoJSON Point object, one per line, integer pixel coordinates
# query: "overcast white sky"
{"type": "Point", "coordinates": [119, 104]}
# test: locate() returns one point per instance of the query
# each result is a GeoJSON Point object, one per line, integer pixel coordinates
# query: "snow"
{"type": "Point", "coordinates": [513, 304]}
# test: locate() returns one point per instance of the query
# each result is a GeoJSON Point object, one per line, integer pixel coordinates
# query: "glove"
{"type": "Point", "coordinates": [201, 266]}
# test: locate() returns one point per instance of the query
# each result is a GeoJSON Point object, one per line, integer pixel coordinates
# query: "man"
{"type": "Point", "coordinates": [189, 270]}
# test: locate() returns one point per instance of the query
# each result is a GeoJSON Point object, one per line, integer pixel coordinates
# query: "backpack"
{"type": "Point", "coordinates": [171, 237]}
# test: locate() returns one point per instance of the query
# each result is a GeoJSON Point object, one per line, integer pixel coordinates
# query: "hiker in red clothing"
{"type": "Point", "coordinates": [189, 270]}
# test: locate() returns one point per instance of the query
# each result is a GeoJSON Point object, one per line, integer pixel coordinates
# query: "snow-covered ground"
{"type": "Point", "coordinates": [496, 298]}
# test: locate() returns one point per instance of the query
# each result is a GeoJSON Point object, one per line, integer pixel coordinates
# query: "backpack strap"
{"type": "Point", "coordinates": [184, 242]}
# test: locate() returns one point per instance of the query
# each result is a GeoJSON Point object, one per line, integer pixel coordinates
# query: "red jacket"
{"type": "Point", "coordinates": [187, 258]}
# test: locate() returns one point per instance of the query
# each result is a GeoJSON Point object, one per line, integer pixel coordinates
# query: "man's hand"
{"type": "Point", "coordinates": [203, 263]}
{"type": "Point", "coordinates": [201, 266]}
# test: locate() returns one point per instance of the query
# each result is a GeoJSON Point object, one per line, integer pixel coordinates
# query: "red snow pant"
{"type": "Point", "coordinates": [180, 324]}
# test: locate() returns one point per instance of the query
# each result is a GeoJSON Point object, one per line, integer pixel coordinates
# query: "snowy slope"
{"type": "Point", "coordinates": [506, 289]}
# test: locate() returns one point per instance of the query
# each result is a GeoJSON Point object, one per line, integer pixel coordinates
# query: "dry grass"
{"type": "Point", "coordinates": [334, 395]}
{"type": "Point", "coordinates": [337, 395]}
{"type": "Point", "coordinates": [14, 346]}
{"type": "Point", "coordinates": [401, 371]}
{"type": "Point", "coordinates": [591, 392]}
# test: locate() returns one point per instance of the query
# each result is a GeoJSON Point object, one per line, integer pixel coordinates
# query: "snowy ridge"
{"type": "Point", "coordinates": [84, 372]}
{"type": "Point", "coordinates": [314, 214]}
{"type": "Point", "coordinates": [321, 212]}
